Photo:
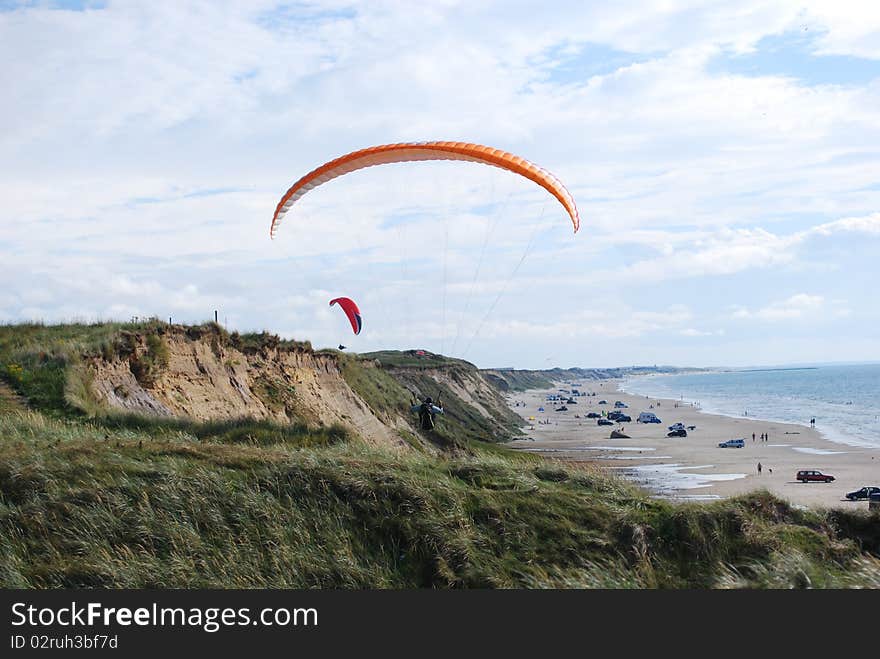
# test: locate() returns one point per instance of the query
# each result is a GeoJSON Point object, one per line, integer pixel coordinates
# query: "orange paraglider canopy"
{"type": "Point", "coordinates": [409, 151]}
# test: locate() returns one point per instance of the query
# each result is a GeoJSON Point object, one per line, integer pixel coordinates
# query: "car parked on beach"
{"type": "Point", "coordinates": [813, 476]}
{"type": "Point", "coordinates": [648, 417]}
{"type": "Point", "coordinates": [733, 443]}
{"type": "Point", "coordinates": [863, 494]}
{"type": "Point", "coordinates": [677, 433]}
{"type": "Point", "coordinates": [620, 403]}
{"type": "Point", "coordinates": [677, 426]}
{"type": "Point", "coordinates": [593, 415]}
{"type": "Point", "coordinates": [605, 422]}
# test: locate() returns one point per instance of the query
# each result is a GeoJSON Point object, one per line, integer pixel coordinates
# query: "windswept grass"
{"type": "Point", "coordinates": [40, 361]}
{"type": "Point", "coordinates": [461, 423]}
{"type": "Point", "coordinates": [390, 394]}
{"type": "Point", "coordinates": [253, 342]}
{"type": "Point", "coordinates": [411, 359]}
{"type": "Point", "coordinates": [85, 504]}
{"type": "Point", "coordinates": [130, 501]}
{"type": "Point", "coordinates": [34, 358]}
{"type": "Point", "coordinates": [386, 397]}
{"type": "Point", "coordinates": [228, 431]}
{"type": "Point", "coordinates": [515, 380]}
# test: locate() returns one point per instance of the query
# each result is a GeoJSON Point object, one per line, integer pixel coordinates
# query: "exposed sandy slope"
{"type": "Point", "coordinates": [694, 466]}
{"type": "Point", "coordinates": [204, 380]}
{"type": "Point", "coordinates": [475, 391]}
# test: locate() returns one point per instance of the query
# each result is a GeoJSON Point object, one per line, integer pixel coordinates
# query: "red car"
{"type": "Point", "coordinates": [813, 476]}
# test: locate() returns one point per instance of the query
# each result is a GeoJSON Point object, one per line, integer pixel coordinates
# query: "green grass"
{"type": "Point", "coordinates": [41, 363]}
{"type": "Point", "coordinates": [227, 431]}
{"type": "Point", "coordinates": [460, 422]}
{"type": "Point", "coordinates": [385, 396]}
{"type": "Point", "coordinates": [136, 502]}
{"type": "Point", "coordinates": [34, 358]}
{"type": "Point", "coordinates": [253, 342]}
{"type": "Point", "coordinates": [409, 359]}
{"type": "Point", "coordinates": [173, 504]}
{"type": "Point", "coordinates": [389, 389]}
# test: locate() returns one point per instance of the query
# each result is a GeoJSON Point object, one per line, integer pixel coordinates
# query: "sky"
{"type": "Point", "coordinates": [724, 158]}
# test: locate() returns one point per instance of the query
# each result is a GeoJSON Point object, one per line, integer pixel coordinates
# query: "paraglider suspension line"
{"type": "Point", "coordinates": [490, 228]}
{"type": "Point", "coordinates": [507, 282]}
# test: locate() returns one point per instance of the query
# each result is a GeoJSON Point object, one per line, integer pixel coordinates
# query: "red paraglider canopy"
{"type": "Point", "coordinates": [351, 310]}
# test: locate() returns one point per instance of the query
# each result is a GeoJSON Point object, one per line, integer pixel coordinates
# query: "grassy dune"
{"type": "Point", "coordinates": [125, 501]}
{"type": "Point", "coordinates": [86, 504]}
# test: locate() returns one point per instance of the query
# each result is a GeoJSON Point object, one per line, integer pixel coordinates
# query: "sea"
{"type": "Point", "coordinates": [843, 399]}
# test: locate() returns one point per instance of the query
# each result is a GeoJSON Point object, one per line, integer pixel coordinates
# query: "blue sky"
{"type": "Point", "coordinates": [723, 156]}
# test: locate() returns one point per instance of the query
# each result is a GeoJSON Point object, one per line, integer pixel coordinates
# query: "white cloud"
{"type": "Point", "coordinates": [726, 251]}
{"type": "Point", "coordinates": [845, 28]}
{"type": "Point", "coordinates": [690, 331]}
{"type": "Point", "coordinates": [797, 306]}
{"type": "Point", "coordinates": [868, 224]}
{"type": "Point", "coordinates": [611, 322]}
{"type": "Point", "coordinates": [145, 146]}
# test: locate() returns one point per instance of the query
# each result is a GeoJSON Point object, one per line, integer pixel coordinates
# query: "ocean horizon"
{"type": "Point", "coordinates": [844, 399]}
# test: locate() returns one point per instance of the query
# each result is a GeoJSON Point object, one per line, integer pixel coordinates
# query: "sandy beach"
{"type": "Point", "coordinates": [695, 467]}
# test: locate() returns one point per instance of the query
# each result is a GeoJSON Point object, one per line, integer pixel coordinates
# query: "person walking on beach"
{"type": "Point", "coordinates": [753, 436]}
{"type": "Point", "coordinates": [759, 468]}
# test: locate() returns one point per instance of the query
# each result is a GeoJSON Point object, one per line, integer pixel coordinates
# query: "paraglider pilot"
{"type": "Point", "coordinates": [427, 412]}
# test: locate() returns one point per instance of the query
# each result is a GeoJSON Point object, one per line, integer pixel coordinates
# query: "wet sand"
{"type": "Point", "coordinates": [694, 467]}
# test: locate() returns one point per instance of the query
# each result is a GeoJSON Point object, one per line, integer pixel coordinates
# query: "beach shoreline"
{"type": "Point", "coordinates": [694, 467]}
{"type": "Point", "coordinates": [841, 425]}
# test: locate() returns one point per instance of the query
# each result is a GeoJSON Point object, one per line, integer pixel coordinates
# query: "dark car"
{"type": "Point", "coordinates": [813, 476]}
{"type": "Point", "coordinates": [594, 415]}
{"type": "Point", "coordinates": [602, 402]}
{"type": "Point", "coordinates": [562, 409]}
{"type": "Point", "coordinates": [677, 433]}
{"type": "Point", "coordinates": [863, 494]}
{"type": "Point", "coordinates": [605, 422]}
{"type": "Point", "coordinates": [615, 415]}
